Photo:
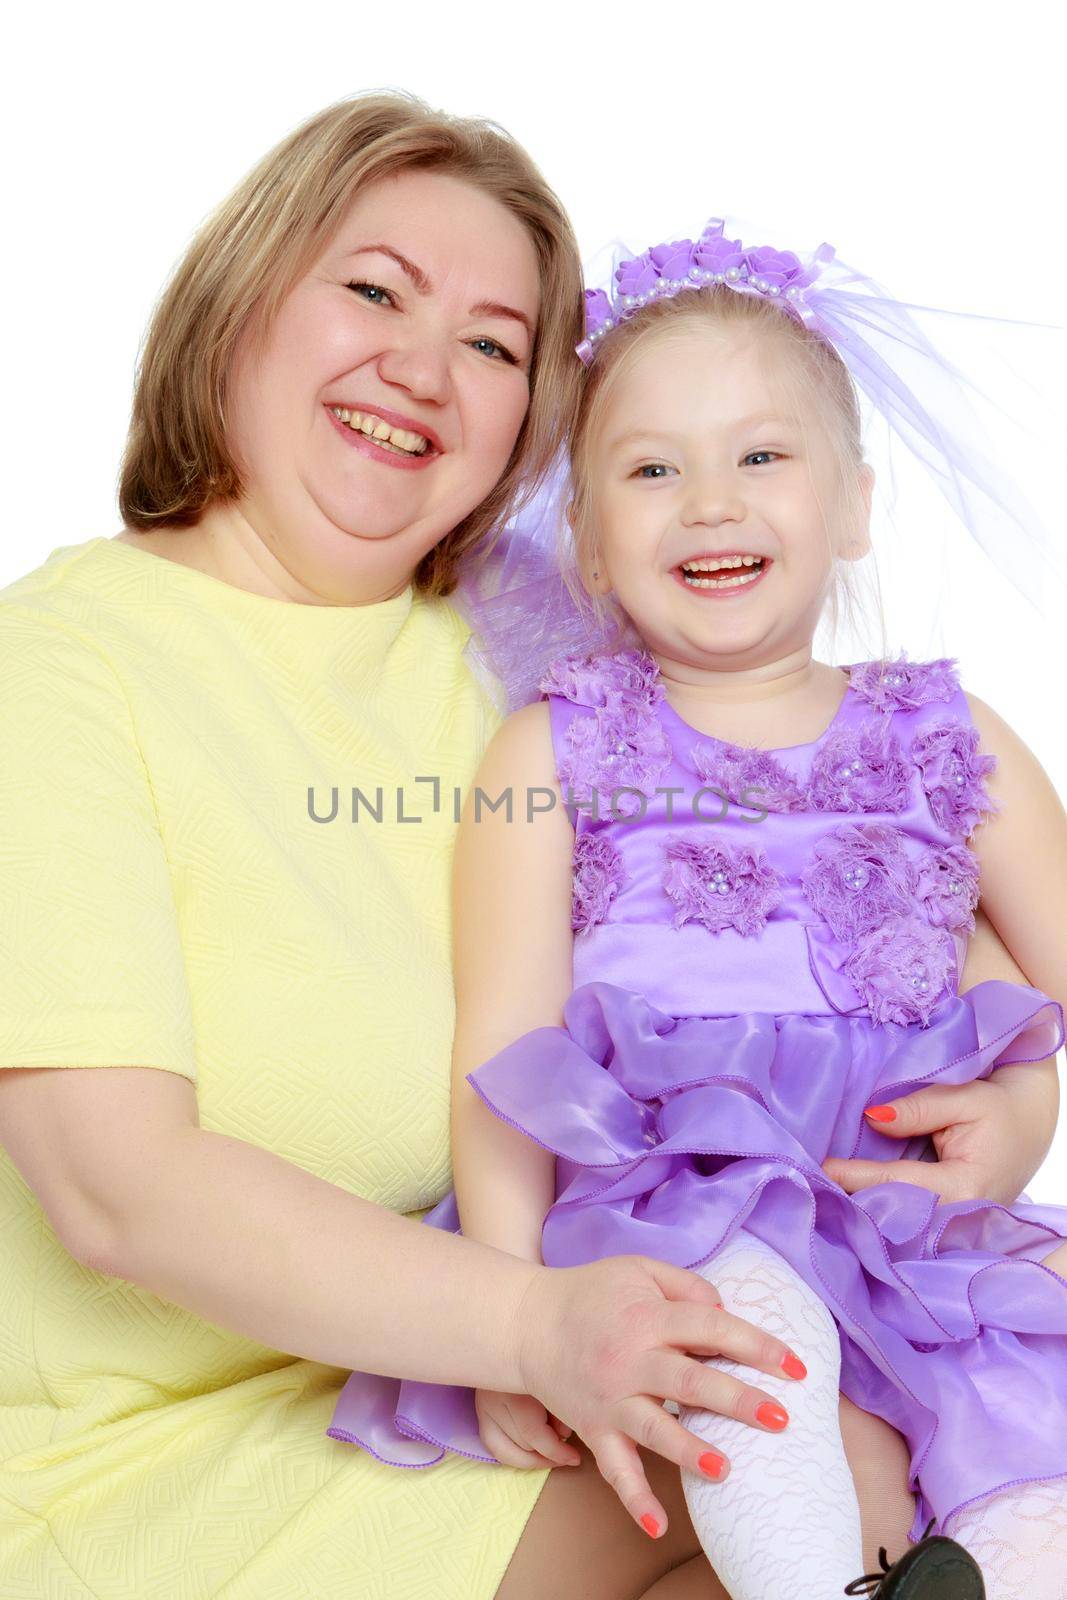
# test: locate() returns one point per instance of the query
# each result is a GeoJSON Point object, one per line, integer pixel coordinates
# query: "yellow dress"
{"type": "Point", "coordinates": [171, 897]}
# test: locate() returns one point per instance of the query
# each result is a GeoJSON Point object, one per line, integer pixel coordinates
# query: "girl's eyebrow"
{"type": "Point", "coordinates": [484, 308]}
{"type": "Point", "coordinates": [756, 419]}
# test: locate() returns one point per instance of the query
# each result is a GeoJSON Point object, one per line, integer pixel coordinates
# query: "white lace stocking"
{"type": "Point", "coordinates": [786, 1521]}
{"type": "Point", "coordinates": [1019, 1539]}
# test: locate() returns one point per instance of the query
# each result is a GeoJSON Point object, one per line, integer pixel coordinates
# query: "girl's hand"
{"type": "Point", "coordinates": [604, 1345]}
{"type": "Point", "coordinates": [990, 1137]}
{"type": "Point", "coordinates": [518, 1430]}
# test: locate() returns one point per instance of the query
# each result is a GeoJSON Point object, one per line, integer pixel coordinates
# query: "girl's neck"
{"type": "Point", "coordinates": [775, 704]}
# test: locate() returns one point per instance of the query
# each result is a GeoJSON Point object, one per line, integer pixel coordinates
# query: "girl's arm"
{"type": "Point", "coordinates": [992, 1136]}
{"type": "Point", "coordinates": [512, 965]}
{"type": "Point", "coordinates": [1022, 852]}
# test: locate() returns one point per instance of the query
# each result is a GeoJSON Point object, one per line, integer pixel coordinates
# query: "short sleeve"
{"type": "Point", "coordinates": [91, 964]}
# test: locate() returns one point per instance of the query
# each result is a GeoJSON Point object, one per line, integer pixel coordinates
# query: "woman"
{"type": "Point", "coordinates": [203, 1235]}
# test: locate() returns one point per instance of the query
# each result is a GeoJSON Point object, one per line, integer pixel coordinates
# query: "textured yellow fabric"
{"type": "Point", "coordinates": [167, 900]}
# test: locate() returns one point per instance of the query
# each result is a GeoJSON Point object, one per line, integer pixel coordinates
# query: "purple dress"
{"type": "Point", "coordinates": [766, 943]}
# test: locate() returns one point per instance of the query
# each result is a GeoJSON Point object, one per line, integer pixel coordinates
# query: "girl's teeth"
{"type": "Point", "coordinates": [716, 566]}
{"type": "Point", "coordinates": [719, 583]}
{"type": "Point", "coordinates": [402, 440]}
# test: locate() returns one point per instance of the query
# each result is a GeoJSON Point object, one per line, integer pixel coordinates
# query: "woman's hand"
{"type": "Point", "coordinates": [603, 1345]}
{"type": "Point", "coordinates": [990, 1137]}
{"type": "Point", "coordinates": [518, 1430]}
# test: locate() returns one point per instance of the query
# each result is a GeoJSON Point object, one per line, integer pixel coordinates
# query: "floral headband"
{"type": "Point", "coordinates": [665, 269]}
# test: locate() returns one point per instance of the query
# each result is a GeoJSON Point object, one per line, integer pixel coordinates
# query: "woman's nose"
{"type": "Point", "coordinates": [421, 368]}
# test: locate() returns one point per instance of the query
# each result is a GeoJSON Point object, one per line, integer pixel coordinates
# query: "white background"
{"type": "Point", "coordinates": [923, 140]}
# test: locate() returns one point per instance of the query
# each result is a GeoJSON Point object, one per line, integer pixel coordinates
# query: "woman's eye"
{"type": "Point", "coordinates": [654, 469]}
{"type": "Point", "coordinates": [764, 455]}
{"type": "Point", "coordinates": [374, 293]}
{"type": "Point", "coordinates": [494, 350]}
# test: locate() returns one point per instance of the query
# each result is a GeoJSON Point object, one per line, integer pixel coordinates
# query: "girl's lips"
{"type": "Point", "coordinates": [730, 591]}
{"type": "Point", "coordinates": [359, 441]}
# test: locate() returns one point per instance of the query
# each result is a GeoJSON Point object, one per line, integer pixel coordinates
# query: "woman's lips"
{"type": "Point", "coordinates": [729, 591]}
{"type": "Point", "coordinates": [367, 447]}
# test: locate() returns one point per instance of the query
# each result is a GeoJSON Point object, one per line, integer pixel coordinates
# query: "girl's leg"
{"type": "Point", "coordinates": [579, 1543]}
{"type": "Point", "coordinates": [786, 1521]}
{"type": "Point", "coordinates": [1019, 1537]}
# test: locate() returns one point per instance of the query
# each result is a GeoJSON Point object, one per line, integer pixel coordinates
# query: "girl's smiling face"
{"type": "Point", "coordinates": [699, 454]}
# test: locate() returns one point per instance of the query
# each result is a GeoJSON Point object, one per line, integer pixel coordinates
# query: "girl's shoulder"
{"type": "Point", "coordinates": [898, 684]}
{"type": "Point", "coordinates": [604, 678]}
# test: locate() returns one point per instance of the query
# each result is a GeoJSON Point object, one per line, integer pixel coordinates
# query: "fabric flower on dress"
{"type": "Point", "coordinates": [953, 775]}
{"type": "Point", "coordinates": [860, 769]}
{"type": "Point", "coordinates": [598, 876]}
{"type": "Point", "coordinates": [751, 778]}
{"type": "Point", "coordinates": [859, 877]}
{"type": "Point", "coordinates": [605, 680]}
{"type": "Point", "coordinates": [622, 746]}
{"type": "Point", "coordinates": [719, 885]}
{"type": "Point", "coordinates": [948, 887]}
{"type": "Point", "coordinates": [904, 685]}
{"type": "Point", "coordinates": [902, 969]}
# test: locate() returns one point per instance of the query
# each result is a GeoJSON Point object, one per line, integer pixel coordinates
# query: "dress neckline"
{"type": "Point", "coordinates": [209, 588]}
{"type": "Point", "coordinates": [674, 719]}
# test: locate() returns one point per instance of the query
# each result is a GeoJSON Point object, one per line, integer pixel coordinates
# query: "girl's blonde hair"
{"type": "Point", "coordinates": [815, 383]}
{"type": "Point", "coordinates": [254, 247]}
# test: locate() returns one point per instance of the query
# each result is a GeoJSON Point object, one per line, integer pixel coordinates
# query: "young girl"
{"type": "Point", "coordinates": [735, 936]}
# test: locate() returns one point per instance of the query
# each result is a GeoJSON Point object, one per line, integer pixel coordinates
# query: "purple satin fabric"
{"type": "Point", "coordinates": [672, 1133]}
{"type": "Point", "coordinates": [700, 1079]}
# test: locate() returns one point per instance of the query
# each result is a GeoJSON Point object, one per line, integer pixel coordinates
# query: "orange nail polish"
{"type": "Point", "coordinates": [712, 1464]}
{"type": "Point", "coordinates": [650, 1525]}
{"type": "Point", "coordinates": [793, 1367]}
{"type": "Point", "coordinates": [881, 1113]}
{"type": "Point", "coordinates": [772, 1416]}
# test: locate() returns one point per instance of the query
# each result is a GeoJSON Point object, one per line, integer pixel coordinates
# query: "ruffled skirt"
{"type": "Point", "coordinates": [671, 1133]}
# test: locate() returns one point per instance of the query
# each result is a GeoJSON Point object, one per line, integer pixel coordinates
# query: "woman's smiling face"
{"type": "Point", "coordinates": [421, 314]}
{"type": "Point", "coordinates": [698, 455]}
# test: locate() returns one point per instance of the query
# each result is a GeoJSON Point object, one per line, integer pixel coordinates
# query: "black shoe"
{"type": "Point", "coordinates": [933, 1569]}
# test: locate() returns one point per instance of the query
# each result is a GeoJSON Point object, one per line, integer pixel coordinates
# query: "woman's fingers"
{"type": "Point", "coordinates": [706, 1388]}
{"type": "Point", "coordinates": [711, 1330]}
{"type": "Point", "coordinates": [620, 1466]}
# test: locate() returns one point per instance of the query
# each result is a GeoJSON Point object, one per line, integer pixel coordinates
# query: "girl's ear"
{"type": "Point", "coordinates": [858, 540]}
{"type": "Point", "coordinates": [589, 567]}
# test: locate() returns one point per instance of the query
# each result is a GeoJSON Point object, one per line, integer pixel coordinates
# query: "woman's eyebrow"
{"type": "Point", "coordinates": [484, 308]}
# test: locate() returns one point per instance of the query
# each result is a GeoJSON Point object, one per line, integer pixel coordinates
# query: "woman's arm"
{"type": "Point", "coordinates": [512, 963]}
{"type": "Point", "coordinates": [137, 1190]}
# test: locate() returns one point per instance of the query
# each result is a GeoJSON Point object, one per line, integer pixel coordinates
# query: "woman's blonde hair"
{"type": "Point", "coordinates": [254, 247]}
{"type": "Point", "coordinates": [815, 384]}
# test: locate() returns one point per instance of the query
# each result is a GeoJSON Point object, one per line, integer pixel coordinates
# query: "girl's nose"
{"type": "Point", "coordinates": [713, 499]}
{"type": "Point", "coordinates": [421, 368]}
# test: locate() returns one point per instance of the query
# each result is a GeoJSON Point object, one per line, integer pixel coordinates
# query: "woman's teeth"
{"type": "Point", "coordinates": [691, 569]}
{"type": "Point", "coordinates": [402, 440]}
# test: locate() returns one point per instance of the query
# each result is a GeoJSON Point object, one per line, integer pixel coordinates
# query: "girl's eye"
{"type": "Point", "coordinates": [654, 469]}
{"type": "Point", "coordinates": [374, 293]}
{"type": "Point", "coordinates": [494, 350]}
{"type": "Point", "coordinates": [767, 455]}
